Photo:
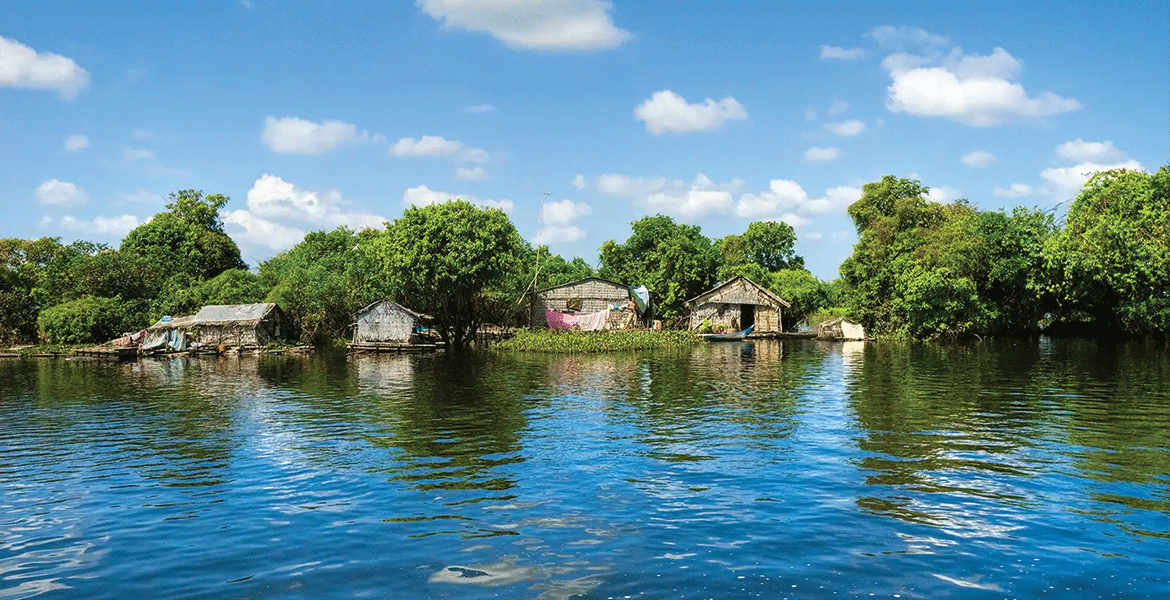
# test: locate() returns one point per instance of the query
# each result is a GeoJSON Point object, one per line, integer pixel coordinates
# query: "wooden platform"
{"type": "Point", "coordinates": [115, 352]}
{"type": "Point", "coordinates": [378, 347]}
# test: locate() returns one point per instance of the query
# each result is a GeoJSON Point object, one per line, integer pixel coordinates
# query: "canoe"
{"type": "Point", "coordinates": [734, 335]}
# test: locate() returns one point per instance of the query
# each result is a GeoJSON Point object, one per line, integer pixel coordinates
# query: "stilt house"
{"type": "Point", "coordinates": [738, 303]}
{"type": "Point", "coordinates": [234, 325]}
{"type": "Point", "coordinates": [586, 296]}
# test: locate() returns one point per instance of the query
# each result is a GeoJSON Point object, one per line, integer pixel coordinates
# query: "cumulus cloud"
{"type": "Point", "coordinates": [1079, 150]}
{"type": "Point", "coordinates": [944, 194]}
{"type": "Point", "coordinates": [292, 135]}
{"type": "Point", "coordinates": [666, 111]}
{"type": "Point", "coordinates": [579, 182]}
{"type": "Point", "coordinates": [976, 90]}
{"type": "Point", "coordinates": [835, 53]}
{"type": "Point", "coordinates": [425, 196]}
{"type": "Point", "coordinates": [785, 198]}
{"type": "Point", "coordinates": [1066, 182]}
{"type": "Point", "coordinates": [23, 67]}
{"type": "Point", "coordinates": [474, 174]}
{"type": "Point", "coordinates": [692, 200]}
{"type": "Point", "coordinates": [978, 158]}
{"type": "Point", "coordinates": [846, 128]}
{"type": "Point", "coordinates": [60, 193]}
{"type": "Point", "coordinates": [109, 227]}
{"type": "Point", "coordinates": [278, 214]}
{"type": "Point", "coordinates": [579, 25]}
{"type": "Point", "coordinates": [559, 221]}
{"type": "Point", "coordinates": [1016, 190]}
{"type": "Point", "coordinates": [76, 143]}
{"type": "Point", "coordinates": [433, 145]}
{"type": "Point", "coordinates": [821, 154]}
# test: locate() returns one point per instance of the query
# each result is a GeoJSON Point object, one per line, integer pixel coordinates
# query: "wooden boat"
{"type": "Point", "coordinates": [723, 337]}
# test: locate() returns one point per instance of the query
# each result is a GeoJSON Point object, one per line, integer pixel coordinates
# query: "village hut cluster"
{"type": "Point", "coordinates": [591, 304]}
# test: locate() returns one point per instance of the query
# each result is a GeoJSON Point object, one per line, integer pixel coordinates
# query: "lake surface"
{"type": "Point", "coordinates": [795, 469]}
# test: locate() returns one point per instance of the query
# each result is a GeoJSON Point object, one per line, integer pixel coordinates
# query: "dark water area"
{"type": "Point", "coordinates": [795, 469]}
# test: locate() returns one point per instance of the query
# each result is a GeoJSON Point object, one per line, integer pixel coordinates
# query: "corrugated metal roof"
{"type": "Point", "coordinates": [234, 312]}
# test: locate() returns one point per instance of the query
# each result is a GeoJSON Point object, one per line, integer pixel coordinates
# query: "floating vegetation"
{"type": "Point", "coordinates": [546, 340]}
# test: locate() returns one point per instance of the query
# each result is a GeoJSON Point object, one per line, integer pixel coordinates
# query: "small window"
{"type": "Point", "coordinates": [573, 304]}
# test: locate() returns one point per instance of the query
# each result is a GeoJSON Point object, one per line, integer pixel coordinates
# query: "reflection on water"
{"type": "Point", "coordinates": [743, 469]}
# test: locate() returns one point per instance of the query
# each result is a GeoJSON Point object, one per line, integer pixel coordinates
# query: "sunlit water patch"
{"type": "Point", "coordinates": [735, 470]}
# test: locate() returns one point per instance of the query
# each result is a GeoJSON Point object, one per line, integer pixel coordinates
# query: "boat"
{"type": "Point", "coordinates": [722, 337]}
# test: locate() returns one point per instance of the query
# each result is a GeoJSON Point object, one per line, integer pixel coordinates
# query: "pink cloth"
{"type": "Point", "coordinates": [594, 321]}
{"type": "Point", "coordinates": [559, 321]}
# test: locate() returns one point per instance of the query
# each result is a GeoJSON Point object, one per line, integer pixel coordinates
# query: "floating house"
{"type": "Point", "coordinates": [839, 329]}
{"type": "Point", "coordinates": [386, 323]}
{"type": "Point", "coordinates": [736, 304]}
{"type": "Point", "coordinates": [591, 296]}
{"type": "Point", "coordinates": [234, 325]}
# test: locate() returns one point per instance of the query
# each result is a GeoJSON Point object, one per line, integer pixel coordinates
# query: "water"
{"type": "Point", "coordinates": [1032, 469]}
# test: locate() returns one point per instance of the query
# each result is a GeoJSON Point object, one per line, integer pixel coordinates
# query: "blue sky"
{"type": "Point", "coordinates": [316, 114]}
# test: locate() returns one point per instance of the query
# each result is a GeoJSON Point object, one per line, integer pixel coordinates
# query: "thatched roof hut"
{"type": "Point", "coordinates": [220, 325]}
{"type": "Point", "coordinates": [385, 322]}
{"type": "Point", "coordinates": [738, 303]}
{"type": "Point", "coordinates": [587, 296]}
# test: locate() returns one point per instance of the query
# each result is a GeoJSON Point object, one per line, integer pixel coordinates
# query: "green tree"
{"type": "Point", "coordinates": [770, 245]}
{"type": "Point", "coordinates": [187, 238]}
{"type": "Point", "coordinates": [1110, 266]}
{"type": "Point", "coordinates": [451, 260]}
{"type": "Point", "coordinates": [84, 320]}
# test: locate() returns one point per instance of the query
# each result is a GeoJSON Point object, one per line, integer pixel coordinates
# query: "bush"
{"type": "Point", "coordinates": [546, 340]}
{"type": "Point", "coordinates": [82, 321]}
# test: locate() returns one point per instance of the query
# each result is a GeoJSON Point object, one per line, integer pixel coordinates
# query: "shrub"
{"type": "Point", "coordinates": [85, 320]}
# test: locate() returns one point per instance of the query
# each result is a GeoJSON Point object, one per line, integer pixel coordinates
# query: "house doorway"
{"type": "Point", "coordinates": [747, 315]}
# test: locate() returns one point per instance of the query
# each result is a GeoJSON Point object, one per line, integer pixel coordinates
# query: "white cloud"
{"type": "Point", "coordinates": [976, 90]}
{"type": "Point", "coordinates": [836, 53]}
{"type": "Point", "coordinates": [114, 227]}
{"type": "Point", "coordinates": [565, 211]}
{"type": "Point", "coordinates": [846, 128]}
{"type": "Point", "coordinates": [559, 221]}
{"type": "Point", "coordinates": [978, 158]}
{"type": "Point", "coordinates": [291, 135]}
{"type": "Point", "coordinates": [425, 196]}
{"type": "Point", "coordinates": [1081, 151]}
{"type": "Point", "coordinates": [533, 24]}
{"type": "Point", "coordinates": [822, 154]}
{"type": "Point", "coordinates": [475, 174]}
{"type": "Point", "coordinates": [143, 134]}
{"type": "Point", "coordinates": [23, 67]}
{"type": "Point", "coordinates": [137, 155]}
{"type": "Point", "coordinates": [1016, 190]}
{"type": "Point", "coordinates": [689, 201]}
{"type": "Point", "coordinates": [76, 143]}
{"type": "Point", "coordinates": [1065, 183]}
{"type": "Point", "coordinates": [579, 182]}
{"type": "Point", "coordinates": [142, 197]}
{"type": "Point", "coordinates": [786, 195]}
{"type": "Point", "coordinates": [666, 111]}
{"type": "Point", "coordinates": [248, 5]}
{"type": "Point", "coordinates": [433, 145]}
{"type": "Point", "coordinates": [480, 109]}
{"type": "Point", "coordinates": [944, 194]}
{"type": "Point", "coordinates": [60, 193]}
{"type": "Point", "coordinates": [895, 37]}
{"type": "Point", "coordinates": [839, 106]}
{"type": "Point", "coordinates": [278, 214]}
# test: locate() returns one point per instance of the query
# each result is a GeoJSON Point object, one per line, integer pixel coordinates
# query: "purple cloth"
{"type": "Point", "coordinates": [559, 321]}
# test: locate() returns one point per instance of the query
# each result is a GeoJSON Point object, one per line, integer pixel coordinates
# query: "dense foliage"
{"type": "Point", "coordinates": [82, 320]}
{"type": "Point", "coordinates": [455, 262]}
{"type": "Point", "coordinates": [927, 270]}
{"type": "Point", "coordinates": [545, 340]}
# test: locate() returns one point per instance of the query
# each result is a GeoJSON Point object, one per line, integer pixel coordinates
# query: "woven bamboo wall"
{"type": "Point", "coordinates": [384, 322]}
{"type": "Point", "coordinates": [594, 295]}
{"type": "Point", "coordinates": [723, 307]}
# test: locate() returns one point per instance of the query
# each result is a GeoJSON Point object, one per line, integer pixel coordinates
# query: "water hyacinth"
{"type": "Point", "coordinates": [545, 340]}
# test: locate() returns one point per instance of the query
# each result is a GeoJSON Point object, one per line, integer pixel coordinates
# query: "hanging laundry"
{"type": "Point", "coordinates": [559, 321]}
{"type": "Point", "coordinates": [594, 321]}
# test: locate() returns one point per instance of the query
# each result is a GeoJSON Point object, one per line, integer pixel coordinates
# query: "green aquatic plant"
{"type": "Point", "coordinates": [545, 340]}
